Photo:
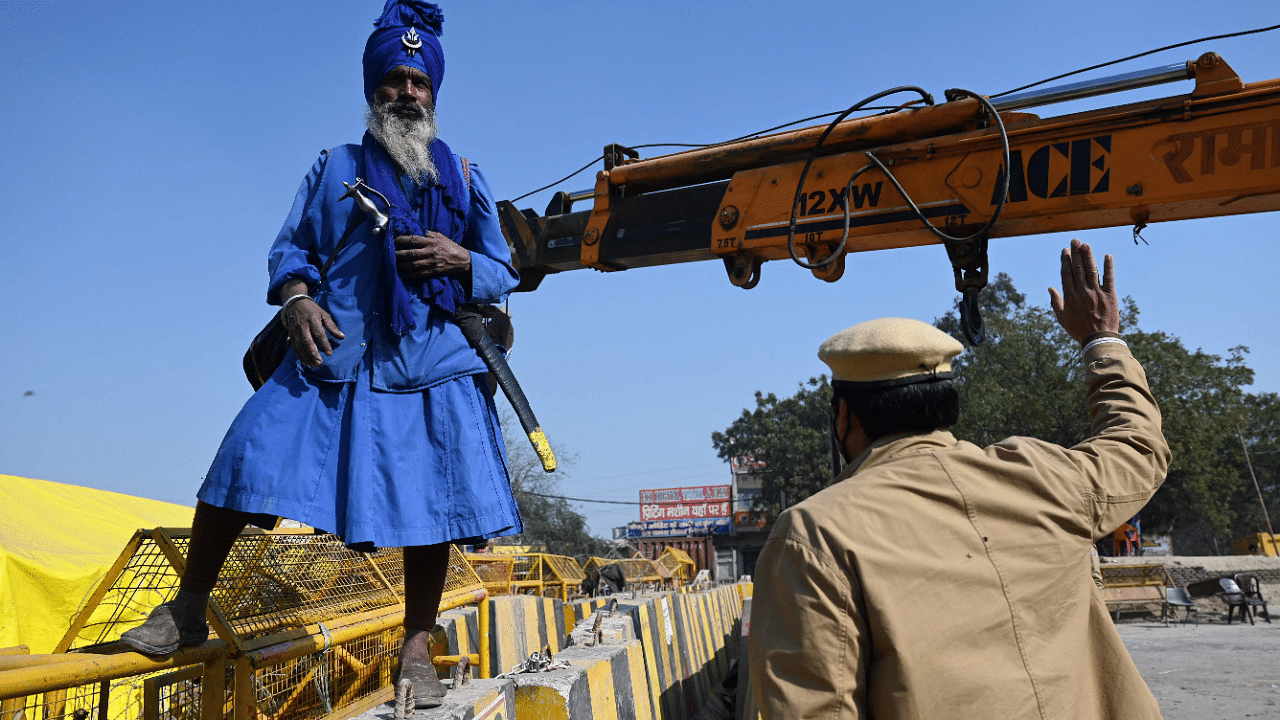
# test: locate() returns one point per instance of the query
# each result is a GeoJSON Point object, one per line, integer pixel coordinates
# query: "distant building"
{"type": "Point", "coordinates": [715, 524]}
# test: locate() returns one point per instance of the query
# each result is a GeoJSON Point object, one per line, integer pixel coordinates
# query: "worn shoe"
{"type": "Point", "coordinates": [428, 691]}
{"type": "Point", "coordinates": [170, 626]}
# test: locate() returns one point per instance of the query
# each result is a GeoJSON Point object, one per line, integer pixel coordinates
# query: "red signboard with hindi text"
{"type": "Point", "coordinates": [688, 503]}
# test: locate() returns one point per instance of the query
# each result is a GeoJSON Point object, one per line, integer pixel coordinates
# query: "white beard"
{"type": "Point", "coordinates": [406, 140]}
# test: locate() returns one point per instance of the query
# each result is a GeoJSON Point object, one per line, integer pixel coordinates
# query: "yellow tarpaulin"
{"type": "Point", "coordinates": [56, 541]}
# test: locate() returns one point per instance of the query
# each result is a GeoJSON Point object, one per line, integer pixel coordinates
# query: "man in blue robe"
{"type": "Point", "coordinates": [377, 426]}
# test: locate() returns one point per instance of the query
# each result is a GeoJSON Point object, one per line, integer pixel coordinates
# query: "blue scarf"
{"type": "Point", "coordinates": [444, 210]}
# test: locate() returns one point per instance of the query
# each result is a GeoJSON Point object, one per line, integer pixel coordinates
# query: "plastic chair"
{"type": "Point", "coordinates": [1252, 590]}
{"type": "Point", "coordinates": [1235, 599]}
{"type": "Point", "coordinates": [1176, 597]}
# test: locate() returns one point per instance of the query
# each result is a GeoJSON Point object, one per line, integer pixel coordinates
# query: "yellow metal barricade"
{"type": "Point", "coordinates": [545, 574]}
{"type": "Point", "coordinates": [305, 629]}
{"type": "Point", "coordinates": [593, 565]}
{"type": "Point", "coordinates": [561, 575]}
{"type": "Point", "coordinates": [526, 574]}
{"type": "Point", "coordinates": [495, 571]}
{"type": "Point", "coordinates": [679, 564]}
{"type": "Point", "coordinates": [637, 570]}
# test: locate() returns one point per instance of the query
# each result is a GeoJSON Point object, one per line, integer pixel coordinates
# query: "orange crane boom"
{"type": "Point", "coordinates": [1215, 151]}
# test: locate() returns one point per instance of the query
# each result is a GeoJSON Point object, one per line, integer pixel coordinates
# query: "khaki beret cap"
{"type": "Point", "coordinates": [889, 352]}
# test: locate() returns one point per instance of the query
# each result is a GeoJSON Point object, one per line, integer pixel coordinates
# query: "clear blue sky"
{"type": "Point", "coordinates": [150, 150]}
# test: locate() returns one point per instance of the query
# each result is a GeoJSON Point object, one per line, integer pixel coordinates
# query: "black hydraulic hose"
{"type": "Point", "coordinates": [1004, 192]}
{"type": "Point", "coordinates": [813, 154]}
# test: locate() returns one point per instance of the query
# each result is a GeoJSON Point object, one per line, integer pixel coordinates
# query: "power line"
{"type": "Point", "coordinates": [562, 497]}
{"type": "Point", "coordinates": [643, 472]}
{"type": "Point", "coordinates": [703, 478]}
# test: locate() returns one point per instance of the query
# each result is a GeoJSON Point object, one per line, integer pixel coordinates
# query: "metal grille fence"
{"type": "Point", "coordinates": [168, 695]}
{"type": "Point", "coordinates": [639, 570]}
{"type": "Point", "coordinates": [565, 568]}
{"type": "Point", "coordinates": [313, 685]}
{"type": "Point", "coordinates": [461, 576]}
{"type": "Point", "coordinates": [593, 565]}
{"type": "Point", "coordinates": [276, 582]}
{"type": "Point", "coordinates": [143, 578]}
{"type": "Point", "coordinates": [678, 563]}
{"type": "Point", "coordinates": [75, 703]}
{"type": "Point", "coordinates": [271, 582]}
{"type": "Point", "coordinates": [176, 695]}
{"type": "Point", "coordinates": [560, 575]}
{"type": "Point", "coordinates": [312, 627]}
{"type": "Point", "coordinates": [495, 571]}
{"type": "Point", "coordinates": [544, 574]}
{"type": "Point", "coordinates": [635, 570]}
{"type": "Point", "coordinates": [526, 573]}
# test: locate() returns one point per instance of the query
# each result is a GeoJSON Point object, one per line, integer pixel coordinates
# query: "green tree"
{"type": "Point", "coordinates": [549, 522]}
{"type": "Point", "coordinates": [1260, 430]}
{"type": "Point", "coordinates": [790, 436]}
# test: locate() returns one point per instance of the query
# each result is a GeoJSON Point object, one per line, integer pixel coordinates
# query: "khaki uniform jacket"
{"type": "Point", "coordinates": [937, 579]}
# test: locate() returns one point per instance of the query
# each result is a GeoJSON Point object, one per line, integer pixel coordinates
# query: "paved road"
{"type": "Point", "coordinates": [1210, 672]}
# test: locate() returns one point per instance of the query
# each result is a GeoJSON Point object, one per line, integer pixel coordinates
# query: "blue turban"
{"type": "Point", "coordinates": [405, 23]}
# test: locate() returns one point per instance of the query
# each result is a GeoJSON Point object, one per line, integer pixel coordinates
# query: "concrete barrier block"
{"type": "Point", "coordinates": [461, 632]}
{"type": "Point", "coordinates": [604, 682]}
{"type": "Point", "coordinates": [746, 705]}
{"type": "Point", "coordinates": [656, 625]}
{"type": "Point", "coordinates": [678, 645]}
{"type": "Point", "coordinates": [521, 625]}
{"type": "Point", "coordinates": [616, 628]}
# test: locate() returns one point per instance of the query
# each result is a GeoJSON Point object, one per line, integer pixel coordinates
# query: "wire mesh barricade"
{"type": "Point", "coordinates": [526, 574]}
{"type": "Point", "coordinates": [639, 570]}
{"type": "Point", "coordinates": [305, 628]}
{"type": "Point", "coordinates": [561, 575]}
{"type": "Point", "coordinates": [679, 564]}
{"type": "Point", "coordinates": [495, 571]}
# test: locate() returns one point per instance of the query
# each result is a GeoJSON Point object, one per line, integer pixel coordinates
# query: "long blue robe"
{"type": "Point", "coordinates": [391, 441]}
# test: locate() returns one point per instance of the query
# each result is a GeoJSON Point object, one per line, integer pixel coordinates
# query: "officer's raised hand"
{"type": "Point", "coordinates": [1088, 304]}
{"type": "Point", "coordinates": [419, 257]}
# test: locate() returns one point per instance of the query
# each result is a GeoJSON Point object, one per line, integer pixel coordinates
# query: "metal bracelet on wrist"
{"type": "Point", "coordinates": [1101, 341]}
{"type": "Point", "coordinates": [293, 298]}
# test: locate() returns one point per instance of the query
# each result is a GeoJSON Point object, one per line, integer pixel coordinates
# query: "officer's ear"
{"type": "Point", "coordinates": [840, 419]}
{"type": "Point", "coordinates": [833, 432]}
{"type": "Point", "coordinates": [849, 437]}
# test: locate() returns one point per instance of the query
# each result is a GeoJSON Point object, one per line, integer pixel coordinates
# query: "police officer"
{"type": "Point", "coordinates": [938, 579]}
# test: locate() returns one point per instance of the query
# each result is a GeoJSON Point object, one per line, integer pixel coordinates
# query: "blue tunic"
{"type": "Point", "coordinates": [391, 441]}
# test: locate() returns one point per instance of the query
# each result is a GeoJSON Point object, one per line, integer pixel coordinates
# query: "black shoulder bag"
{"type": "Point", "coordinates": [267, 349]}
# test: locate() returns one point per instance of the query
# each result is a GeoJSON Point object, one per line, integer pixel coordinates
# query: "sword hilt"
{"type": "Point", "coordinates": [380, 219]}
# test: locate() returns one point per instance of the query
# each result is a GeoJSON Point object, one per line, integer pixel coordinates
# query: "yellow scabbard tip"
{"type": "Point", "coordinates": [543, 448]}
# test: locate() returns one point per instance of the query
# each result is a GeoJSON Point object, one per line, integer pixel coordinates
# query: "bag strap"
{"type": "Point", "coordinates": [466, 171]}
{"type": "Point", "coordinates": [353, 222]}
